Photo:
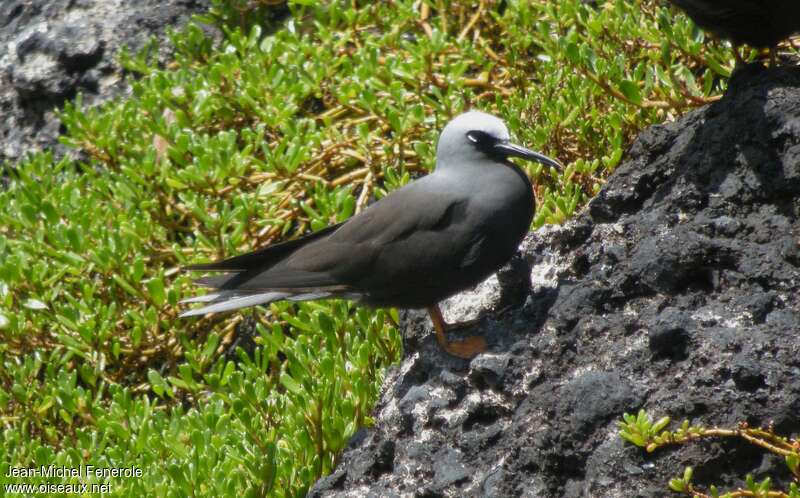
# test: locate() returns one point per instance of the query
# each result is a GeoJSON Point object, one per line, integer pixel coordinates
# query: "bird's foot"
{"type": "Point", "coordinates": [467, 348]}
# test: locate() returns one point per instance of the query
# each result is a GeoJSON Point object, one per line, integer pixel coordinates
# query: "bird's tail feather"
{"type": "Point", "coordinates": [231, 300]}
{"type": "Point", "coordinates": [215, 281]}
{"type": "Point", "coordinates": [205, 298]}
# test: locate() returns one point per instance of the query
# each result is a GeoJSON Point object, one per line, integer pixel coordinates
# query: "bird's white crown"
{"type": "Point", "coordinates": [455, 147]}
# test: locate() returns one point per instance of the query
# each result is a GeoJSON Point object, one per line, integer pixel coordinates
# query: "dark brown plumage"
{"type": "Point", "coordinates": [758, 23]}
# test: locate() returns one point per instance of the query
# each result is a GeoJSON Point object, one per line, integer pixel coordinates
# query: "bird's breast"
{"type": "Point", "coordinates": [506, 194]}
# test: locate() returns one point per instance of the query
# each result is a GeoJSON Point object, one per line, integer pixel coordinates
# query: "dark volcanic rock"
{"type": "Point", "coordinates": [677, 291]}
{"type": "Point", "coordinates": [52, 49]}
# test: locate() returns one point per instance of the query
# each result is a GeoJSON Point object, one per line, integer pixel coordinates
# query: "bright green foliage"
{"type": "Point", "coordinates": [752, 488]}
{"type": "Point", "coordinates": [641, 431]}
{"type": "Point", "coordinates": [262, 137]}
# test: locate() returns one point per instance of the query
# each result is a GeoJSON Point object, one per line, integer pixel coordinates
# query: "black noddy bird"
{"type": "Point", "coordinates": [419, 245]}
{"type": "Point", "coordinates": [758, 23]}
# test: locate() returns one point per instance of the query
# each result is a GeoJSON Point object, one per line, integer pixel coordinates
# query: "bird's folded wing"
{"type": "Point", "coordinates": [414, 231]}
{"type": "Point", "coordinates": [263, 258]}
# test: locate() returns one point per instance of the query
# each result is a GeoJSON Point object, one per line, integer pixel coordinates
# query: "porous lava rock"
{"type": "Point", "coordinates": [677, 290]}
{"type": "Point", "coordinates": [52, 49]}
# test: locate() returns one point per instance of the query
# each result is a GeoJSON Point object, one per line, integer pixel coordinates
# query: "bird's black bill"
{"type": "Point", "coordinates": [509, 149]}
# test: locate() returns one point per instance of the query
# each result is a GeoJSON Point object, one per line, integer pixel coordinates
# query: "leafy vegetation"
{"type": "Point", "coordinates": [284, 126]}
{"type": "Point", "coordinates": [643, 432]}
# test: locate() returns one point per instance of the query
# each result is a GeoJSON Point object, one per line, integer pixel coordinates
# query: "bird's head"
{"type": "Point", "coordinates": [476, 136]}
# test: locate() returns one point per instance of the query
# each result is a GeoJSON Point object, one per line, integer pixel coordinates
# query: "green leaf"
{"type": "Point", "coordinates": [291, 385]}
{"type": "Point", "coordinates": [631, 91]}
{"type": "Point", "coordinates": [125, 285]}
{"type": "Point", "coordinates": [677, 485]}
{"type": "Point", "coordinates": [175, 183]}
{"type": "Point", "coordinates": [660, 424]}
{"type": "Point", "coordinates": [573, 54]}
{"type": "Point", "coordinates": [155, 289]}
{"type": "Point", "coordinates": [156, 382]}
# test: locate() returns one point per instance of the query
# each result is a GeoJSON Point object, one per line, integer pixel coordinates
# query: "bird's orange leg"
{"type": "Point", "coordinates": [467, 348]}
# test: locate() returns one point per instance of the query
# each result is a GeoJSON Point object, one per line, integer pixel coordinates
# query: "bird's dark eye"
{"type": "Point", "coordinates": [481, 138]}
